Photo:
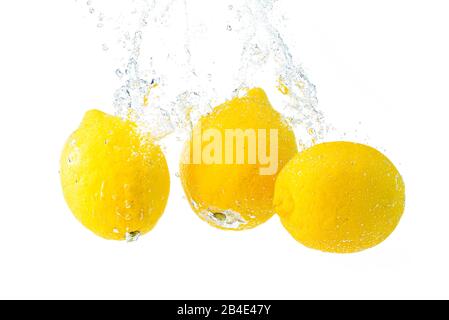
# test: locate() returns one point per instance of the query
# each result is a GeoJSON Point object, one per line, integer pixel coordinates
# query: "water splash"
{"type": "Point", "coordinates": [179, 59]}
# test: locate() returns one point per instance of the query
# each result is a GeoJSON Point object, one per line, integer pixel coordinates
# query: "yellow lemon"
{"type": "Point", "coordinates": [230, 164]}
{"type": "Point", "coordinates": [115, 180]}
{"type": "Point", "coordinates": [340, 197]}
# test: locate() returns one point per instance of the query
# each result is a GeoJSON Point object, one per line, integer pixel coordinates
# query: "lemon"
{"type": "Point", "coordinates": [230, 164]}
{"type": "Point", "coordinates": [114, 179]}
{"type": "Point", "coordinates": [340, 197]}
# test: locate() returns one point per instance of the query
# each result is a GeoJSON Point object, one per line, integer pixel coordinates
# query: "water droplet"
{"type": "Point", "coordinates": [119, 73]}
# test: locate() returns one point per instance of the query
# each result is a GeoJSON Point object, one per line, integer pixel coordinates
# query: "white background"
{"type": "Point", "coordinates": [381, 63]}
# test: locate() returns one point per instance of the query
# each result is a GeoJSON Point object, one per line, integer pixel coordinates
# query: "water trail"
{"type": "Point", "coordinates": [180, 58]}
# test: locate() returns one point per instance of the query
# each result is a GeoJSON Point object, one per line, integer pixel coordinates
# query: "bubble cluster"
{"type": "Point", "coordinates": [179, 59]}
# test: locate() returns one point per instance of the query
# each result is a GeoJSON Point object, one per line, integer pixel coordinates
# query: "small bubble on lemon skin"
{"type": "Point", "coordinates": [340, 197]}
{"type": "Point", "coordinates": [118, 183]}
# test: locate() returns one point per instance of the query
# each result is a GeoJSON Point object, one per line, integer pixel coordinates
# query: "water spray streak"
{"type": "Point", "coordinates": [180, 58]}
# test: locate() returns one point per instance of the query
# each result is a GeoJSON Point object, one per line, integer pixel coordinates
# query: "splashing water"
{"type": "Point", "coordinates": [179, 59]}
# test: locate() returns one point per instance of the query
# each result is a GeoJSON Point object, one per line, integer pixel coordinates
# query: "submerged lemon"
{"type": "Point", "coordinates": [115, 180]}
{"type": "Point", "coordinates": [229, 166]}
{"type": "Point", "coordinates": [340, 197]}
